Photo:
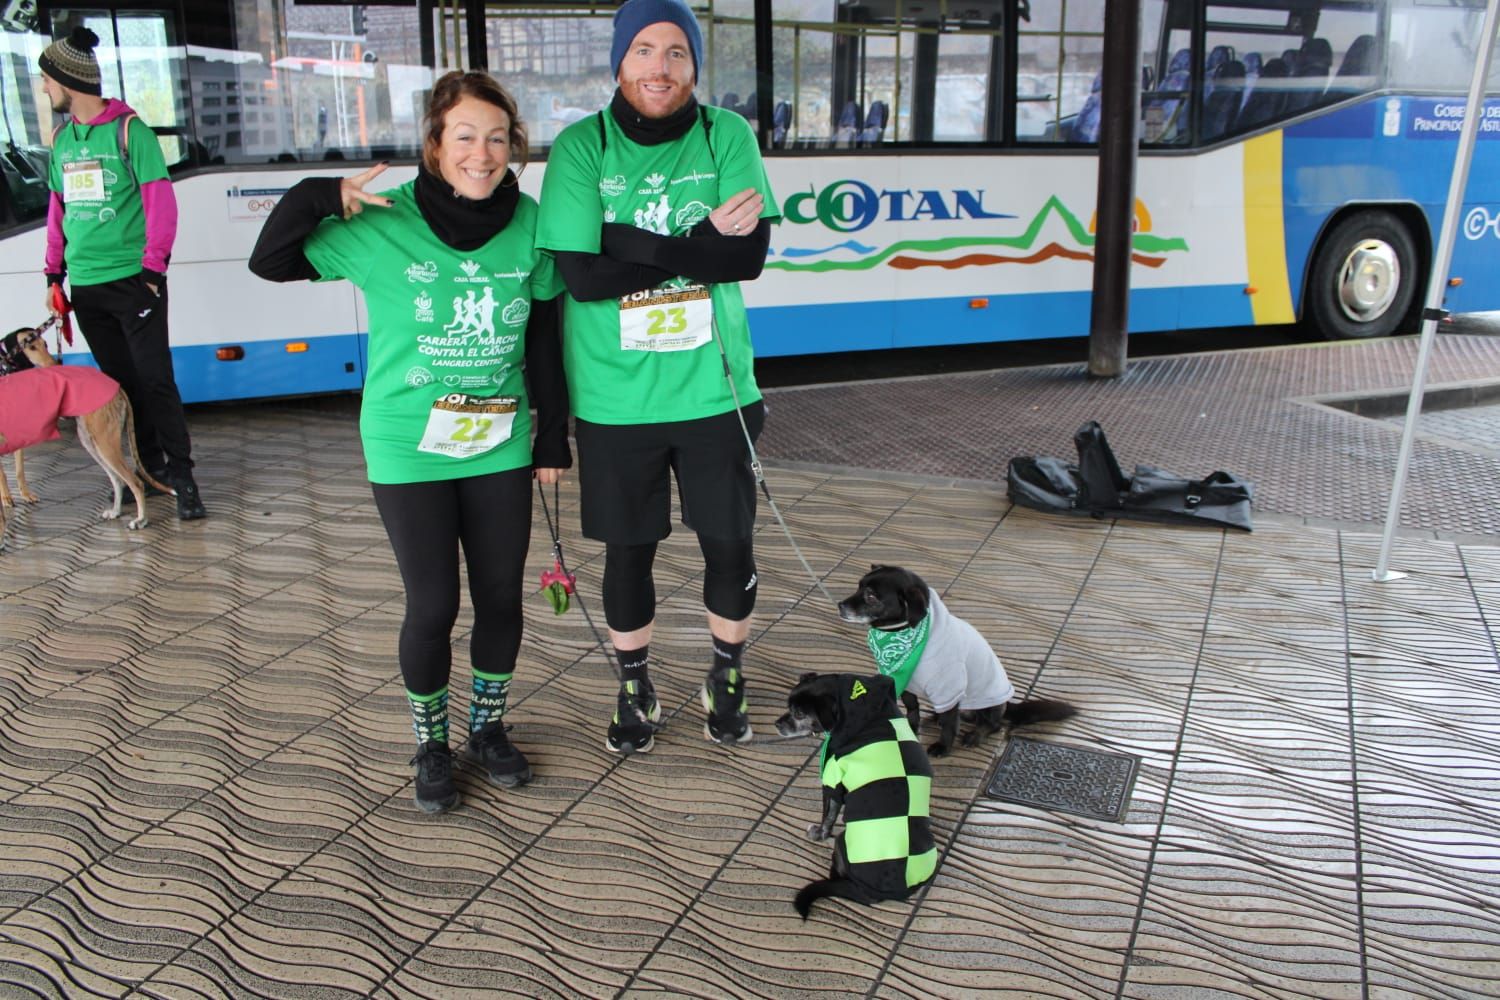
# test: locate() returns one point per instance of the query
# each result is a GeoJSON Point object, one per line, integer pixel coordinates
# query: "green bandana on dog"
{"type": "Point", "coordinates": [898, 653]}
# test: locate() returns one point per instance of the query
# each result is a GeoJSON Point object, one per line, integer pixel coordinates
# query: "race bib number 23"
{"type": "Point", "coordinates": [666, 319]}
{"type": "Point", "coordinates": [461, 426]}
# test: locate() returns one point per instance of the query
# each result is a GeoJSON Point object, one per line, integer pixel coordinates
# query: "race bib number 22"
{"type": "Point", "coordinates": [461, 426]}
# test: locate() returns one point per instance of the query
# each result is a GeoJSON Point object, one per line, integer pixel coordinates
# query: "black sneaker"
{"type": "Point", "coordinates": [724, 698]}
{"type": "Point", "coordinates": [435, 791]}
{"type": "Point", "coordinates": [633, 729]}
{"type": "Point", "coordinates": [189, 504]}
{"type": "Point", "coordinates": [491, 749]}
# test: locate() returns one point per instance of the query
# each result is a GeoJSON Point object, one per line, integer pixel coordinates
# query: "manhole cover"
{"type": "Point", "coordinates": [1093, 783]}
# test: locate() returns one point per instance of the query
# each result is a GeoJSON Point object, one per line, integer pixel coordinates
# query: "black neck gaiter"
{"type": "Point", "coordinates": [652, 131]}
{"type": "Point", "coordinates": [461, 223]}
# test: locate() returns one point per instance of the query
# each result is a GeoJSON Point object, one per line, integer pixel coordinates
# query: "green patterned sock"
{"type": "Point", "coordinates": [488, 702]}
{"type": "Point", "coordinates": [429, 715]}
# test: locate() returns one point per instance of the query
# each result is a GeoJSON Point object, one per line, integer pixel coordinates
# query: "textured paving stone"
{"type": "Point", "coordinates": [204, 777]}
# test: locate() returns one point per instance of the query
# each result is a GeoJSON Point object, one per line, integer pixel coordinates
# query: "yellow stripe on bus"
{"type": "Point", "coordinates": [1265, 237]}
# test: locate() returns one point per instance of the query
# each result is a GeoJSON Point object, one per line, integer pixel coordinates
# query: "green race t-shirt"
{"type": "Point", "coordinates": [444, 395]}
{"type": "Point", "coordinates": [650, 357]}
{"type": "Point", "coordinates": [104, 221]}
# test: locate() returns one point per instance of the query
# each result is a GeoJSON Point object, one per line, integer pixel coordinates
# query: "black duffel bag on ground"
{"type": "Point", "coordinates": [1096, 487]}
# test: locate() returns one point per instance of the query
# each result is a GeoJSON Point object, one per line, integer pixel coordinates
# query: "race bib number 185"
{"type": "Point", "coordinates": [461, 426]}
{"type": "Point", "coordinates": [83, 180]}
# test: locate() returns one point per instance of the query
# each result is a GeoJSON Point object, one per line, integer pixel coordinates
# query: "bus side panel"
{"type": "Point", "coordinates": [902, 251]}
{"type": "Point", "coordinates": [261, 319]}
{"type": "Point", "coordinates": [1397, 150]}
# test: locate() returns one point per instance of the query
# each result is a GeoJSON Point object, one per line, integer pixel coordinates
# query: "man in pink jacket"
{"type": "Point", "coordinates": [110, 226]}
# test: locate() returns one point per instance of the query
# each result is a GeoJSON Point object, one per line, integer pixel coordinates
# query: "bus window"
{"type": "Point", "coordinates": [141, 63]}
{"type": "Point", "coordinates": [1060, 52]}
{"type": "Point", "coordinates": [1166, 106]}
{"type": "Point", "coordinates": [1264, 65]}
{"type": "Point", "coordinates": [305, 82]}
{"type": "Point", "coordinates": [806, 51]}
{"type": "Point", "coordinates": [555, 62]}
{"type": "Point", "coordinates": [25, 125]}
{"type": "Point", "coordinates": [964, 58]}
{"type": "Point", "coordinates": [729, 42]}
{"type": "Point", "coordinates": [1433, 45]}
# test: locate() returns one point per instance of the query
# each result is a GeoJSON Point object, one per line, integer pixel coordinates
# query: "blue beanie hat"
{"type": "Point", "coordinates": [635, 15]}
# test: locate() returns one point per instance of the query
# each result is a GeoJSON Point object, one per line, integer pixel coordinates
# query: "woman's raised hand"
{"type": "Point", "coordinates": [352, 191]}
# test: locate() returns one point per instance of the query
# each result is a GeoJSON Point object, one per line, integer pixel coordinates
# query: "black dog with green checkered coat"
{"type": "Point", "coordinates": [878, 776]}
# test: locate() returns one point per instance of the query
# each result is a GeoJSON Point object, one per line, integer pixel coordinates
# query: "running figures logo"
{"type": "Point", "coordinates": [473, 316]}
{"type": "Point", "coordinates": [653, 218]}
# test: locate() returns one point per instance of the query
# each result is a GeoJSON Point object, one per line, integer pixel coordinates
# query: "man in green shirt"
{"type": "Point", "coordinates": [655, 209]}
{"type": "Point", "coordinates": [111, 220]}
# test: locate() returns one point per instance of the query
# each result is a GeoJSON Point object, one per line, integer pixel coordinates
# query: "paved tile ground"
{"type": "Point", "coordinates": [204, 787]}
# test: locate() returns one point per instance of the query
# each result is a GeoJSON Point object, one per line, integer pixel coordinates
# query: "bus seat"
{"type": "Point", "coordinates": [1289, 58]}
{"type": "Point", "coordinates": [1163, 108]}
{"type": "Point", "coordinates": [847, 125]}
{"type": "Point", "coordinates": [1265, 103]}
{"type": "Point", "coordinates": [1313, 65]}
{"type": "Point", "coordinates": [1357, 71]}
{"type": "Point", "coordinates": [1217, 56]}
{"type": "Point", "coordinates": [1360, 59]}
{"type": "Point", "coordinates": [730, 100]}
{"type": "Point", "coordinates": [1252, 73]}
{"type": "Point", "coordinates": [875, 122]}
{"type": "Point", "coordinates": [1086, 124]}
{"type": "Point", "coordinates": [1223, 105]}
{"type": "Point", "coordinates": [781, 122]}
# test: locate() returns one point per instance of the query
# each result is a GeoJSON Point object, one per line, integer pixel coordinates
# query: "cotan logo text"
{"type": "Point", "coordinates": [848, 206]}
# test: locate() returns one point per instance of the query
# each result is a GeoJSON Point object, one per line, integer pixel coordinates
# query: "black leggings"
{"type": "Point", "coordinates": [630, 592]}
{"type": "Point", "coordinates": [491, 516]}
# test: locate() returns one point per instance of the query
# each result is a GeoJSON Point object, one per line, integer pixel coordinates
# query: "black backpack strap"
{"type": "Point", "coordinates": [603, 141]}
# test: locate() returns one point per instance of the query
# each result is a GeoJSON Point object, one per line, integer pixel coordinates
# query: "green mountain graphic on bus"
{"type": "Point", "coordinates": [1147, 248]}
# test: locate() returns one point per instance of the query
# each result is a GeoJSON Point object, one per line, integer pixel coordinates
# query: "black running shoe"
{"type": "Point", "coordinates": [503, 764]}
{"type": "Point", "coordinates": [435, 791]}
{"type": "Point", "coordinates": [633, 729]}
{"type": "Point", "coordinates": [189, 504]}
{"type": "Point", "coordinates": [724, 698]}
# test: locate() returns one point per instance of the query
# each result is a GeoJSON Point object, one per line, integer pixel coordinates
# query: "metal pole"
{"type": "Point", "coordinates": [1119, 125]}
{"type": "Point", "coordinates": [1473, 115]}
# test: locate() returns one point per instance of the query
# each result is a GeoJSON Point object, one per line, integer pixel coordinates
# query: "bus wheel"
{"type": "Point", "coordinates": [1364, 279]}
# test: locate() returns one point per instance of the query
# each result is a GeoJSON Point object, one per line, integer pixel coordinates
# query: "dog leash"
{"type": "Point", "coordinates": [559, 579]}
{"type": "Point", "coordinates": [561, 588]}
{"type": "Point", "coordinates": [758, 470]}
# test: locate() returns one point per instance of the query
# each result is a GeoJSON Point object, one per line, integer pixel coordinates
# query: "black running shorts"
{"type": "Point", "coordinates": [625, 488]}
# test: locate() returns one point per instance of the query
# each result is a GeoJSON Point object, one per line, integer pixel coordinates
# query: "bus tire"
{"type": "Point", "coordinates": [1364, 278]}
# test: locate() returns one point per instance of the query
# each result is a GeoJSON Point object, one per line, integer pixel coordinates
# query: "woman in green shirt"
{"type": "Point", "coordinates": [459, 300]}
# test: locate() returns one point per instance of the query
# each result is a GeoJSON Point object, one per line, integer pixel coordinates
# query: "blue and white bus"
{"type": "Point", "coordinates": [935, 160]}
